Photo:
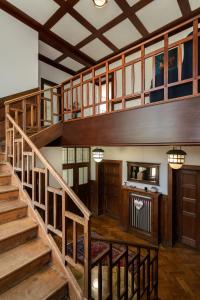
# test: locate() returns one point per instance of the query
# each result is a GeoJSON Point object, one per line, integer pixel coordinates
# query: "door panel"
{"type": "Point", "coordinates": [112, 181]}
{"type": "Point", "coordinates": [188, 198]}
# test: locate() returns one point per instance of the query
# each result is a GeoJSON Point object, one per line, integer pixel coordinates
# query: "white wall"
{"type": "Point", "coordinates": [50, 73]}
{"type": "Point", "coordinates": [18, 56]}
{"type": "Point", "coordinates": [54, 157]}
{"type": "Point", "coordinates": [147, 154]}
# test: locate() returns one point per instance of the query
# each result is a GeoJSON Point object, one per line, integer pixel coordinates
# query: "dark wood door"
{"type": "Point", "coordinates": [112, 182]}
{"type": "Point", "coordinates": [188, 206]}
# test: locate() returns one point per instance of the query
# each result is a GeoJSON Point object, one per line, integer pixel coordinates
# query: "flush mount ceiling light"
{"type": "Point", "coordinates": [98, 154]}
{"type": "Point", "coordinates": [176, 158]}
{"type": "Point", "coordinates": [100, 3]}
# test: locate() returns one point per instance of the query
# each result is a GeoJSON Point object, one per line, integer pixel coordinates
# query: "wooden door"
{"type": "Point", "coordinates": [112, 182]}
{"type": "Point", "coordinates": [188, 206]}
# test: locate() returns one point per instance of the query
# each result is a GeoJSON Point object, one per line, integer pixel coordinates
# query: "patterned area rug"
{"type": "Point", "coordinates": [97, 247]}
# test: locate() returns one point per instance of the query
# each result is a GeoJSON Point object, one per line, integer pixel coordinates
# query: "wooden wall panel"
{"type": "Point", "coordinates": [173, 123]}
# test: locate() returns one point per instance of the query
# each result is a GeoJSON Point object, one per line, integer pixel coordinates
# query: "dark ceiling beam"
{"type": "Point", "coordinates": [64, 8]}
{"type": "Point", "coordinates": [46, 35]}
{"type": "Point", "coordinates": [184, 6]}
{"type": "Point", "coordinates": [91, 28]}
{"type": "Point", "coordinates": [132, 17]}
{"type": "Point", "coordinates": [55, 64]}
{"type": "Point", "coordinates": [114, 22]}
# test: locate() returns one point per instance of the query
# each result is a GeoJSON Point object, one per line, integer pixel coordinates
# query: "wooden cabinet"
{"type": "Point", "coordinates": [140, 213]}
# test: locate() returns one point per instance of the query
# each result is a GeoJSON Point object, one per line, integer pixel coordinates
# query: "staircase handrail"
{"type": "Point", "coordinates": [85, 211]}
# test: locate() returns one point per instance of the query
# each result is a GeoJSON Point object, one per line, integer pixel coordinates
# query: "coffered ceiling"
{"type": "Point", "coordinates": [74, 34]}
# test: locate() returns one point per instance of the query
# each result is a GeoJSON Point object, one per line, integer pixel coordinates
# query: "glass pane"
{"type": "Point", "coordinates": [71, 155]}
{"type": "Point", "coordinates": [86, 154]}
{"type": "Point", "coordinates": [79, 155]}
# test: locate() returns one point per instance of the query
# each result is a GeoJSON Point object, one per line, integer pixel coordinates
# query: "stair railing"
{"type": "Point", "coordinates": [124, 270]}
{"type": "Point", "coordinates": [50, 196]}
{"type": "Point", "coordinates": [36, 110]}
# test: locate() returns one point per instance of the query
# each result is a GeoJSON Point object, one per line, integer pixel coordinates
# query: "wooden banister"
{"type": "Point", "coordinates": [36, 175]}
{"type": "Point", "coordinates": [14, 100]}
{"type": "Point", "coordinates": [51, 169]}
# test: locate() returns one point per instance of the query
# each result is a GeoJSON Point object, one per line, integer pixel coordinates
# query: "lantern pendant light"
{"type": "Point", "coordinates": [176, 158]}
{"type": "Point", "coordinates": [98, 154]}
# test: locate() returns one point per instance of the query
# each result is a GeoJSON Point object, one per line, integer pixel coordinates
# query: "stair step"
{"type": "Point", "coordinates": [11, 210]}
{"type": "Point", "coordinates": [19, 263]}
{"type": "Point", "coordinates": [43, 285]}
{"type": "Point", "coordinates": [8, 192]}
{"type": "Point", "coordinates": [5, 178]}
{"type": "Point", "coordinates": [17, 232]}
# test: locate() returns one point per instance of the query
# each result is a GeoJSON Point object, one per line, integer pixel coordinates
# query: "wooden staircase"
{"type": "Point", "coordinates": [37, 224]}
{"type": "Point", "coordinates": [27, 270]}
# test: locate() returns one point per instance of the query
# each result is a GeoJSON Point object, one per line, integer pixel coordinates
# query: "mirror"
{"type": "Point", "coordinates": [143, 172]}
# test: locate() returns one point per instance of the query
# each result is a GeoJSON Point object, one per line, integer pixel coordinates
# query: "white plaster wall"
{"type": "Point", "coordinates": [146, 154]}
{"type": "Point", "coordinates": [54, 157]}
{"type": "Point", "coordinates": [18, 56]}
{"type": "Point", "coordinates": [50, 73]}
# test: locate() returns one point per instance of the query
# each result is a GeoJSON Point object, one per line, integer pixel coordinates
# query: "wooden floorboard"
{"type": "Point", "coordinates": [179, 267]}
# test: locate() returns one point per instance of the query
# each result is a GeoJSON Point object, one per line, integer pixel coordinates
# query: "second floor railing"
{"type": "Point", "coordinates": [162, 69]}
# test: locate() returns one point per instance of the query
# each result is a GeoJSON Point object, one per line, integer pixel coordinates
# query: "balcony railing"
{"type": "Point", "coordinates": [163, 68]}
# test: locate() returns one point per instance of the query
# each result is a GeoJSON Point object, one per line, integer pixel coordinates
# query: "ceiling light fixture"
{"type": "Point", "coordinates": [100, 3]}
{"type": "Point", "coordinates": [176, 158]}
{"type": "Point", "coordinates": [98, 154]}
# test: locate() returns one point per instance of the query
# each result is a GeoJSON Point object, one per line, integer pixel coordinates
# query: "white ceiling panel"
{"type": "Point", "coordinates": [72, 64]}
{"type": "Point", "coordinates": [123, 34]}
{"type": "Point", "coordinates": [159, 13]}
{"type": "Point", "coordinates": [39, 10]}
{"type": "Point", "coordinates": [132, 2]}
{"type": "Point", "coordinates": [96, 49]}
{"type": "Point", "coordinates": [70, 30]}
{"type": "Point", "coordinates": [98, 17]}
{"type": "Point", "coordinates": [48, 51]}
{"type": "Point", "coordinates": [194, 4]}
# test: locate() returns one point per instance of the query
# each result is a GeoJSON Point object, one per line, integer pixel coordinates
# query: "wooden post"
{"type": "Point", "coordinates": [165, 67]}
{"type": "Point", "coordinates": [87, 259]}
{"type": "Point", "coordinates": [195, 56]}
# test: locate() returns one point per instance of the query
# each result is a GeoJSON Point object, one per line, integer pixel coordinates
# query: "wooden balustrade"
{"type": "Point", "coordinates": [36, 110]}
{"type": "Point", "coordinates": [160, 69]}
{"type": "Point", "coordinates": [133, 273]}
{"type": "Point", "coordinates": [49, 196]}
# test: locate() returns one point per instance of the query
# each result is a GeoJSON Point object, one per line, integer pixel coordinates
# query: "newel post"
{"type": "Point", "coordinates": [87, 259]}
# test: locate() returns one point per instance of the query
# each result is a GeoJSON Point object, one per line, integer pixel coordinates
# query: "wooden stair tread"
{"type": "Point", "coordinates": [13, 228]}
{"type": "Point", "coordinates": [9, 205]}
{"type": "Point", "coordinates": [7, 188]}
{"type": "Point", "coordinates": [39, 286]}
{"type": "Point", "coordinates": [4, 174]}
{"type": "Point", "coordinates": [22, 255]}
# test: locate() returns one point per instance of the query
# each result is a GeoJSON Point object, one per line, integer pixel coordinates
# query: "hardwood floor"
{"type": "Point", "coordinates": [179, 267]}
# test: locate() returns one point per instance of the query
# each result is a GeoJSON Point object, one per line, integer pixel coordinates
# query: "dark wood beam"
{"type": "Point", "coordinates": [56, 65]}
{"type": "Point", "coordinates": [184, 7]}
{"type": "Point", "coordinates": [113, 22]}
{"type": "Point", "coordinates": [64, 8]}
{"type": "Point", "coordinates": [92, 29]}
{"type": "Point", "coordinates": [46, 35]}
{"type": "Point", "coordinates": [132, 17]}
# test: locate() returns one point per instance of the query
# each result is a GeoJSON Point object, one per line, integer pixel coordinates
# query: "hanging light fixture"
{"type": "Point", "coordinates": [176, 158]}
{"type": "Point", "coordinates": [98, 154]}
{"type": "Point", "coordinates": [100, 3]}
